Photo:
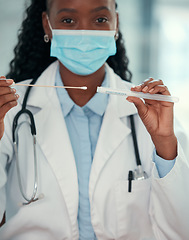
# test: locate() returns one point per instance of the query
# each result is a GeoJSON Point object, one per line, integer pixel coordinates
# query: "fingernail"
{"type": "Point", "coordinates": [129, 100]}
{"type": "Point", "coordinates": [13, 90]}
{"type": "Point", "coordinates": [17, 96]}
{"type": "Point", "coordinates": [9, 81]}
{"type": "Point", "coordinates": [145, 89]}
{"type": "Point", "coordinates": [151, 90]}
{"type": "Point", "coordinates": [138, 87]}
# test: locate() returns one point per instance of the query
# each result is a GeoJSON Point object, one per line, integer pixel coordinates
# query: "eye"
{"type": "Point", "coordinates": [68, 20]}
{"type": "Point", "coordinates": [101, 20]}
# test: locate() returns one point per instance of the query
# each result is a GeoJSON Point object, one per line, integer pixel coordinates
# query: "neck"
{"type": "Point", "coordinates": [81, 97]}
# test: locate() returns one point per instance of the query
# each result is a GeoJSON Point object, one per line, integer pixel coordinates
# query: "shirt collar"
{"type": "Point", "coordinates": [97, 104]}
{"type": "Point", "coordinates": [99, 101]}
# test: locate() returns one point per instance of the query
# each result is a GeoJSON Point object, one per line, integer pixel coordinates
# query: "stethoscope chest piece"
{"type": "Point", "coordinates": [139, 174]}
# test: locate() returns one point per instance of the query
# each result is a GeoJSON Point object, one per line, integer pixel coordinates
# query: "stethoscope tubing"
{"type": "Point", "coordinates": [15, 129]}
{"type": "Point", "coordinates": [35, 187]}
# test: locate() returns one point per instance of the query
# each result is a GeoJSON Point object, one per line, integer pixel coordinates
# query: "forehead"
{"type": "Point", "coordinates": [80, 3]}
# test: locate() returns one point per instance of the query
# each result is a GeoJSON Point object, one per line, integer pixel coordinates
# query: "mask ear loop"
{"type": "Point", "coordinates": [117, 32]}
{"type": "Point", "coordinates": [49, 23]}
{"type": "Point", "coordinates": [46, 36]}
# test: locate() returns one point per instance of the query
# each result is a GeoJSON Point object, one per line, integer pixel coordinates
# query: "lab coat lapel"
{"type": "Point", "coordinates": [53, 139]}
{"type": "Point", "coordinates": [113, 130]}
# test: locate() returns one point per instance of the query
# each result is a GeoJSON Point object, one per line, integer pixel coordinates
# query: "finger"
{"type": "Point", "coordinates": [5, 82]}
{"type": "Point", "coordinates": [8, 98]}
{"type": "Point", "coordinates": [147, 85]}
{"type": "Point", "coordinates": [151, 85]}
{"type": "Point", "coordinates": [6, 90]}
{"type": "Point", "coordinates": [140, 86]}
{"type": "Point", "coordinates": [146, 81]}
{"type": "Point", "coordinates": [140, 105]}
{"type": "Point", "coordinates": [160, 89]}
{"type": "Point", "coordinates": [6, 107]}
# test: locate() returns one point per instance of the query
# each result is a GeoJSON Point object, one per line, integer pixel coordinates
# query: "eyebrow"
{"type": "Point", "coordinates": [100, 9]}
{"type": "Point", "coordinates": [67, 10]}
{"type": "Point", "coordinates": [72, 10]}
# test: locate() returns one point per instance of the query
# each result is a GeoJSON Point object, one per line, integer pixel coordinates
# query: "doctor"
{"type": "Point", "coordinates": [84, 143]}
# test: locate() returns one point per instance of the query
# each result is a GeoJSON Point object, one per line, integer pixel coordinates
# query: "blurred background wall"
{"type": "Point", "coordinates": [156, 34]}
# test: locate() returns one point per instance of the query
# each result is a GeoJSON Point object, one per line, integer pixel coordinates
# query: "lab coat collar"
{"type": "Point", "coordinates": [121, 106]}
{"type": "Point", "coordinates": [113, 131]}
{"type": "Point", "coordinates": [66, 102]}
{"type": "Point", "coordinates": [41, 96]}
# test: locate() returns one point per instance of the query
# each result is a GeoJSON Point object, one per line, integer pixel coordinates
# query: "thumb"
{"type": "Point", "coordinates": [139, 104]}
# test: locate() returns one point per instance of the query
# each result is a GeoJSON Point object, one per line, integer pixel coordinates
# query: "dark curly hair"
{"type": "Point", "coordinates": [32, 54]}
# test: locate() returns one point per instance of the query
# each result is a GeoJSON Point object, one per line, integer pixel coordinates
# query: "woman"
{"type": "Point", "coordinates": [84, 144]}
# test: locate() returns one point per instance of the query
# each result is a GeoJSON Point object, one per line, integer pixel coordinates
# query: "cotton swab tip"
{"type": "Point", "coordinates": [84, 88]}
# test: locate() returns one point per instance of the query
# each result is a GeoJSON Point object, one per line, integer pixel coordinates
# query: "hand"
{"type": "Point", "coordinates": [157, 117]}
{"type": "Point", "coordinates": [8, 100]}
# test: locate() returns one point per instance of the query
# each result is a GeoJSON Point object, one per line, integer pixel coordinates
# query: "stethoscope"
{"type": "Point", "coordinates": [15, 129]}
{"type": "Point", "coordinates": [137, 174]}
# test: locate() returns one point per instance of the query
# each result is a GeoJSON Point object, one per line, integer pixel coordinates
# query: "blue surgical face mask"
{"type": "Point", "coordinates": [82, 52]}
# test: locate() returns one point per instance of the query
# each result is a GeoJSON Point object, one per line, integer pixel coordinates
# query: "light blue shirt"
{"type": "Point", "coordinates": [163, 166]}
{"type": "Point", "coordinates": [83, 124]}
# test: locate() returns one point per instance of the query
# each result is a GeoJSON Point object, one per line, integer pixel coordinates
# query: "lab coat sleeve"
{"type": "Point", "coordinates": [169, 208]}
{"type": "Point", "coordinates": [3, 179]}
{"type": "Point", "coordinates": [6, 152]}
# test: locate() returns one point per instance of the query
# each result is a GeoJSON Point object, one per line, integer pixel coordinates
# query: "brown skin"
{"type": "Point", "coordinates": [8, 100]}
{"type": "Point", "coordinates": [157, 117]}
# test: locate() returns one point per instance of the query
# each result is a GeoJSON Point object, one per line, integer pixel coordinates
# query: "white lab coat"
{"type": "Point", "coordinates": [155, 209]}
